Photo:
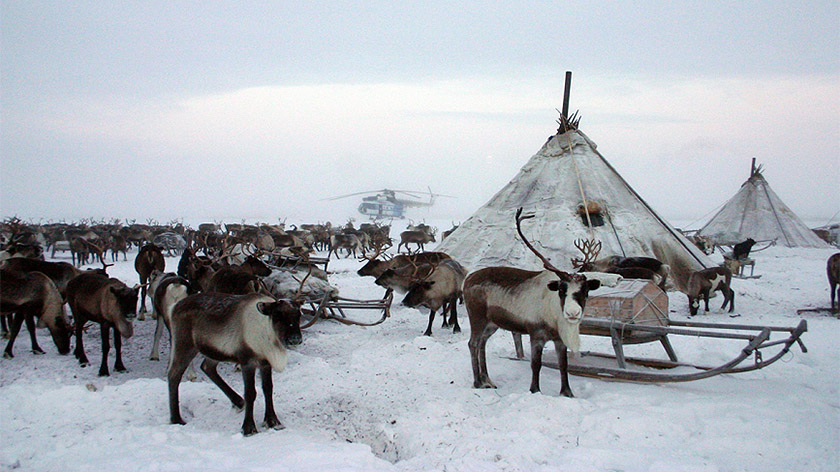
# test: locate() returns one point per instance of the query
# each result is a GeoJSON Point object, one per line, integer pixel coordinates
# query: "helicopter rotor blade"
{"type": "Point", "coordinates": [352, 195]}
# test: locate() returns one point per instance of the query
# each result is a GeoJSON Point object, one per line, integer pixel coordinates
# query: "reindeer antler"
{"type": "Point", "coordinates": [379, 245]}
{"type": "Point", "coordinates": [548, 265]}
{"type": "Point", "coordinates": [589, 248]}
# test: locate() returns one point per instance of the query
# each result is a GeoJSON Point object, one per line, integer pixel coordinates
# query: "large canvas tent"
{"type": "Point", "coordinates": [567, 177]}
{"type": "Point", "coordinates": [756, 212]}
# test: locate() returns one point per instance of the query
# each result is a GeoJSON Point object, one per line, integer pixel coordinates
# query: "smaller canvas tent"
{"type": "Point", "coordinates": [558, 184]}
{"type": "Point", "coordinates": [757, 212]}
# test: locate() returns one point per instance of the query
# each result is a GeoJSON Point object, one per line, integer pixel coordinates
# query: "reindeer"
{"type": "Point", "coordinates": [703, 282]}
{"type": "Point", "coordinates": [59, 272]}
{"type": "Point", "coordinates": [742, 249]}
{"type": "Point", "coordinates": [833, 270]}
{"type": "Point", "coordinates": [241, 279]}
{"type": "Point", "coordinates": [420, 238]}
{"type": "Point", "coordinates": [167, 290]}
{"type": "Point", "coordinates": [30, 296]}
{"type": "Point", "coordinates": [350, 242]}
{"type": "Point", "coordinates": [251, 330]}
{"type": "Point", "coordinates": [109, 302]}
{"type": "Point", "coordinates": [448, 232]}
{"type": "Point", "coordinates": [619, 264]}
{"type": "Point", "coordinates": [149, 258]}
{"type": "Point", "coordinates": [441, 288]}
{"type": "Point", "coordinates": [547, 305]}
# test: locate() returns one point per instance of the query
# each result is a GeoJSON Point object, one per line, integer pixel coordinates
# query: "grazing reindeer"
{"type": "Point", "coordinates": [30, 296]}
{"type": "Point", "coordinates": [109, 302]}
{"type": "Point", "coordinates": [441, 287]}
{"type": "Point", "coordinates": [704, 282]}
{"type": "Point", "coordinates": [547, 305]}
{"type": "Point", "coordinates": [59, 272]}
{"type": "Point", "coordinates": [250, 330]}
{"type": "Point", "coordinates": [149, 258]}
{"type": "Point", "coordinates": [833, 270]}
{"type": "Point", "coordinates": [420, 238]}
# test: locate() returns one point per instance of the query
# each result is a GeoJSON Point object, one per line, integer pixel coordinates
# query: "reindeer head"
{"type": "Point", "coordinates": [572, 289]}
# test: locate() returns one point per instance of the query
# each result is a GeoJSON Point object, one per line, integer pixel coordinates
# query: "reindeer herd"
{"type": "Point", "coordinates": [221, 305]}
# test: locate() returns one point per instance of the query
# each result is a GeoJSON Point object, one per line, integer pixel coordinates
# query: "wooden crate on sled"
{"type": "Point", "coordinates": [612, 311]}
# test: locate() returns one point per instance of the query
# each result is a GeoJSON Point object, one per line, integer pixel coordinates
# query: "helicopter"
{"type": "Point", "coordinates": [384, 203]}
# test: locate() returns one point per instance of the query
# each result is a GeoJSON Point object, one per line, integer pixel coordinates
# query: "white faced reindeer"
{"type": "Point", "coordinates": [547, 305]}
{"type": "Point", "coordinates": [250, 330]}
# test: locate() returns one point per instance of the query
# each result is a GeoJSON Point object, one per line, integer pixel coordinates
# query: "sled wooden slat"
{"type": "Point", "coordinates": [334, 307]}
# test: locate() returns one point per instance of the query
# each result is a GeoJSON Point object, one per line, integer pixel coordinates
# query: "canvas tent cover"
{"type": "Point", "coordinates": [552, 186]}
{"type": "Point", "coordinates": [757, 212]}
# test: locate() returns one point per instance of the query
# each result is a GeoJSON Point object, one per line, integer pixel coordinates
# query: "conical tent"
{"type": "Point", "coordinates": [554, 185]}
{"type": "Point", "coordinates": [757, 212]}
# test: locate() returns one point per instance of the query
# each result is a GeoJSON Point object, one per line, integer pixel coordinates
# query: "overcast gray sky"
{"type": "Point", "coordinates": [259, 110]}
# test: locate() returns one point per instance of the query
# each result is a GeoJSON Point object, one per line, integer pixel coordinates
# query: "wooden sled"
{"type": "Point", "coordinates": [335, 308]}
{"type": "Point", "coordinates": [635, 314]}
{"type": "Point", "coordinates": [294, 262]}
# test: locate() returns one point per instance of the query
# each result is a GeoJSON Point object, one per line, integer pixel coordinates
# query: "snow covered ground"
{"type": "Point", "coordinates": [386, 398]}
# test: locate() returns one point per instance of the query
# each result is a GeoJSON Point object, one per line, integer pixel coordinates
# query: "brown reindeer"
{"type": "Point", "coordinates": [441, 288]}
{"type": "Point", "coordinates": [31, 296]}
{"type": "Point", "coordinates": [149, 258]}
{"type": "Point", "coordinates": [420, 238]}
{"type": "Point", "coordinates": [547, 305]}
{"type": "Point", "coordinates": [109, 302]}
{"type": "Point", "coordinates": [250, 330]}
{"type": "Point", "coordinates": [833, 270]}
{"type": "Point", "coordinates": [239, 279]}
{"type": "Point", "coordinates": [701, 283]}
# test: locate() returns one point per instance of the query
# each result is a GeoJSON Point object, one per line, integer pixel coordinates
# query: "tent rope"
{"type": "Point", "coordinates": [580, 186]}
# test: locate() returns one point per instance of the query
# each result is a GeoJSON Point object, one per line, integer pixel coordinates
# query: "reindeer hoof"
{"type": "Point", "coordinates": [38, 351]}
{"type": "Point", "coordinates": [177, 421]}
{"type": "Point", "coordinates": [250, 430]}
{"type": "Point", "coordinates": [485, 384]}
{"type": "Point", "coordinates": [154, 358]}
{"type": "Point", "coordinates": [274, 424]}
{"type": "Point", "coordinates": [8, 355]}
{"type": "Point", "coordinates": [456, 329]}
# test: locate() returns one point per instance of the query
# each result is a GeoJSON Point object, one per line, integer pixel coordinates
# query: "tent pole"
{"type": "Point", "coordinates": [566, 92]}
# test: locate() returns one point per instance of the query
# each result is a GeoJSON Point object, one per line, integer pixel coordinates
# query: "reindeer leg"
{"type": "Point", "coordinates": [453, 315]}
{"type": "Point", "coordinates": [536, 362]}
{"type": "Point", "coordinates": [16, 323]}
{"type": "Point", "coordinates": [209, 368]}
{"type": "Point", "coordinates": [6, 321]}
{"type": "Point", "coordinates": [105, 329]}
{"type": "Point", "coordinates": [517, 344]}
{"type": "Point", "coordinates": [155, 356]}
{"type": "Point", "coordinates": [270, 420]}
{"type": "Point", "coordinates": [141, 316]}
{"type": "Point", "coordinates": [706, 299]}
{"type": "Point", "coordinates": [431, 319]}
{"type": "Point", "coordinates": [478, 352]}
{"type": "Point", "coordinates": [178, 362]}
{"type": "Point", "coordinates": [118, 364]}
{"type": "Point", "coordinates": [563, 358]}
{"type": "Point", "coordinates": [79, 352]}
{"type": "Point", "coordinates": [443, 309]}
{"type": "Point", "coordinates": [249, 427]}
{"type": "Point", "coordinates": [30, 326]}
